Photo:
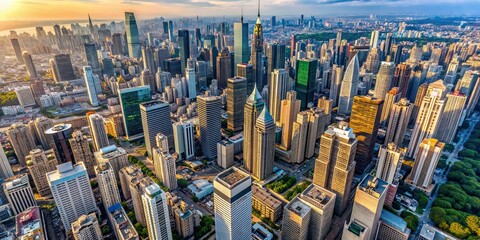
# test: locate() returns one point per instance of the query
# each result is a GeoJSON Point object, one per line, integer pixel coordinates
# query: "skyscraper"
{"type": "Point", "coordinates": [451, 117]}
{"type": "Point", "coordinates": [279, 85]}
{"type": "Point", "coordinates": [401, 78]}
{"type": "Point", "coordinates": [98, 131]}
{"type": "Point", "coordinates": [349, 87]}
{"type": "Point", "coordinates": [224, 67]}
{"type": "Point", "coordinates": [236, 97]}
{"type": "Point", "coordinates": [116, 156]}
{"type": "Point", "coordinates": [335, 164]}
{"type": "Point", "coordinates": [390, 98]}
{"type": "Point", "coordinates": [107, 183]}
{"type": "Point", "coordinates": [156, 213]}
{"type": "Point", "coordinates": [365, 120]}
{"type": "Point", "coordinates": [367, 208]}
{"type": "Point", "coordinates": [117, 47]}
{"type": "Point", "coordinates": [90, 82]}
{"type": "Point", "coordinates": [41, 124]}
{"type": "Point", "coordinates": [429, 153]}
{"type": "Point", "coordinates": [130, 99]}
{"type": "Point", "coordinates": [5, 168]}
{"type": "Point", "coordinates": [257, 52]}
{"type": "Point", "coordinates": [390, 158]}
{"type": "Point", "coordinates": [27, 59]}
{"type": "Point", "coordinates": [288, 114]}
{"type": "Point", "coordinates": [240, 42]}
{"type": "Point", "coordinates": [429, 115]}
{"type": "Point", "coordinates": [39, 163]}
{"type": "Point", "coordinates": [17, 49]}
{"type": "Point", "coordinates": [209, 113]}
{"type": "Point", "coordinates": [147, 79]}
{"type": "Point", "coordinates": [276, 58]}
{"type": "Point", "coordinates": [71, 190]}
{"type": "Point", "coordinates": [263, 145]}
{"type": "Point", "coordinates": [233, 204]}
{"type": "Point", "coordinates": [156, 119]}
{"type": "Point", "coordinates": [253, 106]}
{"type": "Point", "coordinates": [184, 139]}
{"type": "Point", "coordinates": [82, 152]}
{"type": "Point", "coordinates": [21, 139]}
{"type": "Point", "coordinates": [19, 193]}
{"type": "Point", "coordinates": [384, 79]}
{"type": "Point", "coordinates": [133, 39]}
{"type": "Point", "coordinates": [60, 134]}
{"type": "Point", "coordinates": [25, 96]}
{"type": "Point", "coordinates": [306, 77]}
{"type": "Point", "coordinates": [92, 58]}
{"type": "Point", "coordinates": [246, 70]}
{"type": "Point", "coordinates": [470, 86]}
{"type": "Point", "coordinates": [418, 98]}
{"type": "Point", "coordinates": [148, 59]}
{"type": "Point", "coordinates": [86, 227]}
{"type": "Point", "coordinates": [62, 68]}
{"type": "Point", "coordinates": [184, 46]}
{"type": "Point", "coordinates": [191, 78]}
{"type": "Point", "coordinates": [398, 121]}
{"type": "Point", "coordinates": [128, 175]}
{"type": "Point", "coordinates": [164, 163]}
{"type": "Point", "coordinates": [336, 83]}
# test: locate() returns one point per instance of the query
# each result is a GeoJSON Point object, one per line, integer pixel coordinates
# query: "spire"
{"type": "Point", "coordinates": [241, 18]}
{"type": "Point", "coordinates": [255, 96]}
{"type": "Point", "coordinates": [258, 8]}
{"type": "Point", "coordinates": [90, 20]}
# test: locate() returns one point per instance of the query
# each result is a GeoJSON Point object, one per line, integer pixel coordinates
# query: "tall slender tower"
{"type": "Point", "coordinates": [253, 106]}
{"type": "Point", "coordinates": [398, 121]}
{"type": "Point", "coordinates": [27, 59]}
{"type": "Point", "coordinates": [209, 113]}
{"type": "Point", "coordinates": [164, 163]}
{"type": "Point", "coordinates": [91, 28]}
{"type": "Point", "coordinates": [133, 38]}
{"type": "Point", "coordinates": [156, 119]}
{"type": "Point", "coordinates": [90, 82]}
{"type": "Point", "coordinates": [390, 98]}
{"type": "Point", "coordinates": [289, 110]}
{"type": "Point", "coordinates": [21, 138]}
{"type": "Point", "coordinates": [390, 158]}
{"type": "Point", "coordinates": [384, 79]}
{"type": "Point", "coordinates": [263, 145]}
{"type": "Point", "coordinates": [335, 164]}
{"type": "Point", "coordinates": [429, 153]}
{"type": "Point", "coordinates": [98, 131]}
{"type": "Point", "coordinates": [236, 97]}
{"type": "Point", "coordinates": [5, 168]}
{"type": "Point", "coordinates": [257, 52]}
{"type": "Point", "coordinates": [240, 42]}
{"type": "Point", "coordinates": [349, 87]}
{"type": "Point", "coordinates": [279, 86]}
{"type": "Point", "coordinates": [156, 213]}
{"type": "Point", "coordinates": [82, 152]}
{"type": "Point", "coordinates": [452, 114]}
{"type": "Point", "coordinates": [107, 183]}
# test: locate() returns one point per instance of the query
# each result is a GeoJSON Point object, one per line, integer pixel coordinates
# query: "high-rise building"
{"type": "Point", "coordinates": [116, 156]}
{"type": "Point", "coordinates": [246, 70]}
{"type": "Point", "coordinates": [398, 121]}
{"type": "Point", "coordinates": [71, 190]}
{"type": "Point", "coordinates": [86, 227]}
{"type": "Point", "coordinates": [5, 168]}
{"type": "Point", "coordinates": [25, 96]}
{"type": "Point", "coordinates": [278, 88]}
{"type": "Point", "coordinates": [21, 139]}
{"type": "Point", "coordinates": [39, 163]}
{"type": "Point", "coordinates": [470, 86]}
{"type": "Point", "coordinates": [190, 75]}
{"type": "Point", "coordinates": [320, 205]}
{"type": "Point", "coordinates": [92, 58]}
{"type": "Point", "coordinates": [390, 98]}
{"type": "Point", "coordinates": [147, 79]}
{"type": "Point", "coordinates": [121, 224]}
{"type": "Point", "coordinates": [156, 119]}
{"type": "Point", "coordinates": [429, 115]}
{"type": "Point", "coordinates": [137, 189]}
{"type": "Point", "coordinates": [130, 99]}
{"type": "Point", "coordinates": [391, 226]}
{"type": "Point", "coordinates": [224, 67]}
{"type": "Point", "coordinates": [349, 87]}
{"type": "Point", "coordinates": [107, 183]}
{"type": "Point", "coordinates": [401, 78]}
{"type": "Point", "coordinates": [384, 79]}
{"type": "Point", "coordinates": [367, 208]}
{"type": "Point", "coordinates": [421, 92]}
{"type": "Point", "coordinates": [390, 158]}
{"type": "Point", "coordinates": [82, 152]}
{"type": "Point", "coordinates": [98, 131]}
{"type": "Point", "coordinates": [335, 164]}
{"type": "Point", "coordinates": [183, 39]}
{"type": "Point", "coordinates": [133, 38]}
{"type": "Point", "coordinates": [365, 120]}
{"type": "Point", "coordinates": [19, 193]}
{"type": "Point", "coordinates": [148, 59]}
{"type": "Point", "coordinates": [253, 106]}
{"type": "Point", "coordinates": [289, 109]}
{"type": "Point", "coordinates": [156, 213]}
{"type": "Point", "coordinates": [117, 44]}
{"type": "Point", "coordinates": [451, 117]}
{"type": "Point", "coordinates": [90, 82]}
{"type": "Point", "coordinates": [374, 39]}
{"type": "Point", "coordinates": [128, 175]}
{"type": "Point", "coordinates": [263, 145]}
{"type": "Point", "coordinates": [236, 97]}
{"type": "Point", "coordinates": [299, 137]}
{"type": "Point", "coordinates": [275, 58]}
{"type": "Point", "coordinates": [17, 49]}
{"type": "Point", "coordinates": [164, 163]}
{"type": "Point", "coordinates": [209, 114]}
{"type": "Point", "coordinates": [41, 124]}
{"type": "Point", "coordinates": [62, 68]}
{"type": "Point", "coordinates": [184, 139]}
{"type": "Point", "coordinates": [335, 83]}
{"type": "Point", "coordinates": [233, 204]}
{"type": "Point", "coordinates": [61, 133]}
{"type": "Point", "coordinates": [27, 59]}
{"type": "Point", "coordinates": [429, 153]}
{"type": "Point", "coordinates": [240, 42]}
{"type": "Point", "coordinates": [257, 52]}
{"type": "Point", "coordinates": [305, 80]}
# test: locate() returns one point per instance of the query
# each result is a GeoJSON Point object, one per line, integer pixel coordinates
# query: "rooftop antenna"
{"type": "Point", "coordinates": [259, 8]}
{"type": "Point", "coordinates": [241, 18]}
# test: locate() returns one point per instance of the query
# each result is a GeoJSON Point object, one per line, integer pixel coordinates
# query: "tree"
{"type": "Point", "coordinates": [195, 199]}
{"type": "Point", "coordinates": [106, 230]}
{"type": "Point", "coordinates": [182, 183]}
{"type": "Point", "coordinates": [459, 230]}
{"type": "Point", "coordinates": [437, 215]}
{"type": "Point", "coordinates": [473, 222]}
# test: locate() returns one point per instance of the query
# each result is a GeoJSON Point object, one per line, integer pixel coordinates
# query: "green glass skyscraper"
{"type": "Point", "coordinates": [240, 42]}
{"type": "Point", "coordinates": [130, 98]}
{"type": "Point", "coordinates": [133, 39]}
{"type": "Point", "coordinates": [306, 76]}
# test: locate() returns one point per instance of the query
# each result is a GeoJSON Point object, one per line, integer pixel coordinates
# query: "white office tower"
{"type": "Point", "coordinates": [233, 205]}
{"type": "Point", "coordinates": [87, 228]}
{"type": "Point", "coordinates": [190, 76]}
{"type": "Point", "coordinates": [349, 87]}
{"type": "Point", "coordinates": [5, 168]}
{"type": "Point", "coordinates": [90, 82]}
{"type": "Point", "coordinates": [164, 163]}
{"type": "Point", "coordinates": [279, 87]}
{"type": "Point", "coordinates": [116, 156]}
{"type": "Point", "coordinates": [98, 131]}
{"type": "Point", "coordinates": [429, 115]}
{"type": "Point", "coordinates": [107, 183]}
{"type": "Point", "coordinates": [384, 79]}
{"type": "Point", "coordinates": [25, 96]}
{"type": "Point", "coordinates": [424, 167]}
{"type": "Point", "coordinates": [367, 209]}
{"type": "Point", "coordinates": [451, 117]}
{"type": "Point", "coordinates": [184, 139]}
{"type": "Point", "coordinates": [72, 192]}
{"type": "Point", "coordinates": [390, 159]}
{"type": "Point", "coordinates": [335, 83]}
{"type": "Point", "coordinates": [374, 39]}
{"type": "Point", "coordinates": [398, 121]}
{"type": "Point", "coordinates": [156, 213]}
{"type": "Point", "coordinates": [155, 119]}
{"type": "Point", "coordinates": [19, 193]}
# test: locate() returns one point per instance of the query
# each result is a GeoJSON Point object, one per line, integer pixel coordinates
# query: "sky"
{"type": "Point", "coordinates": [11, 10]}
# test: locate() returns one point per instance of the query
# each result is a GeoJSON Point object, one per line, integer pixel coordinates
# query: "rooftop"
{"type": "Point", "coordinates": [58, 128]}
{"type": "Point", "coordinates": [29, 224]}
{"type": "Point", "coordinates": [393, 220]}
{"type": "Point", "coordinates": [298, 207]}
{"type": "Point", "coordinates": [431, 233]}
{"type": "Point", "coordinates": [122, 222]}
{"type": "Point", "coordinates": [317, 195]}
{"type": "Point", "coordinates": [65, 170]}
{"type": "Point", "coordinates": [232, 177]}
{"type": "Point", "coordinates": [373, 185]}
{"type": "Point", "coordinates": [154, 103]}
{"type": "Point", "coordinates": [265, 197]}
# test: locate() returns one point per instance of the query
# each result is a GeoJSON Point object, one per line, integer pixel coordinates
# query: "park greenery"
{"type": "Point", "coordinates": [457, 206]}
{"type": "Point", "coordinates": [282, 184]}
{"type": "Point", "coordinates": [205, 227]}
{"type": "Point", "coordinates": [8, 98]}
{"type": "Point", "coordinates": [410, 218]}
{"type": "Point", "coordinates": [297, 189]}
